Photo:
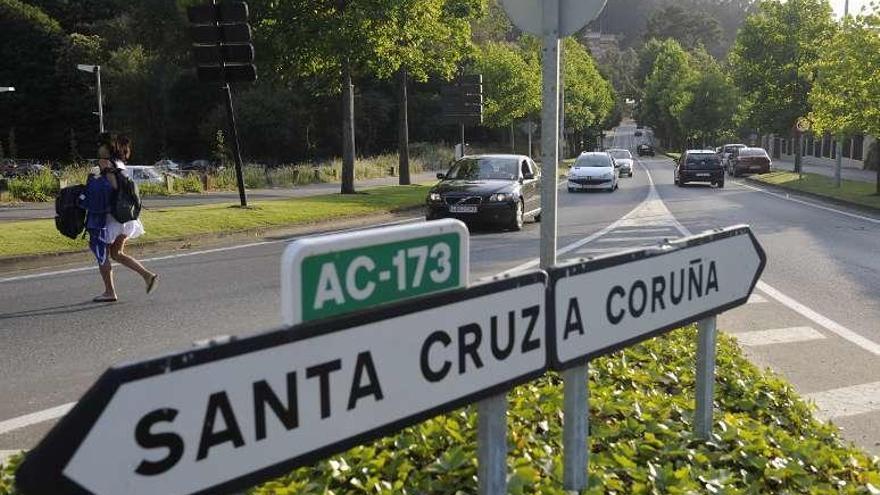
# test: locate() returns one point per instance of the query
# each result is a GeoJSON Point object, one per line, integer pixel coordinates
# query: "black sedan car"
{"type": "Point", "coordinates": [699, 166]}
{"type": "Point", "coordinates": [492, 189]}
{"type": "Point", "coordinates": [645, 150]}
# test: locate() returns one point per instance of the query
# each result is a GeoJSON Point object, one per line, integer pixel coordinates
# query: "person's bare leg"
{"type": "Point", "coordinates": [107, 276]}
{"type": "Point", "coordinates": [117, 252]}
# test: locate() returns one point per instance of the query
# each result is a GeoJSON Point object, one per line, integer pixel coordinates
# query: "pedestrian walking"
{"type": "Point", "coordinates": [107, 235]}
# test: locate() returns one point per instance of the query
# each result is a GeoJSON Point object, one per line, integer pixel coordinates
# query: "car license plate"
{"type": "Point", "coordinates": [703, 175]}
{"type": "Point", "coordinates": [462, 209]}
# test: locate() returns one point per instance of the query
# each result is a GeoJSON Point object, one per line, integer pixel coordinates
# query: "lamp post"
{"type": "Point", "coordinates": [96, 69]}
{"type": "Point", "coordinates": [6, 89]}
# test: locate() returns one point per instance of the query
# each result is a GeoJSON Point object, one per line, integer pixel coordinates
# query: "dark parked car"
{"type": "Point", "coordinates": [494, 189]}
{"type": "Point", "coordinates": [645, 150]}
{"type": "Point", "coordinates": [699, 166]}
{"type": "Point", "coordinates": [749, 161]}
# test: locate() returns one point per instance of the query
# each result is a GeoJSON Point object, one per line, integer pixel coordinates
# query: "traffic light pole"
{"type": "Point", "coordinates": [236, 150]}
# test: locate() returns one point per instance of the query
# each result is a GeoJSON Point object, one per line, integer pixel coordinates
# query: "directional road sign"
{"type": "Point", "coordinates": [573, 14]}
{"type": "Point", "coordinates": [329, 275]}
{"type": "Point", "coordinates": [615, 301]}
{"type": "Point", "coordinates": [224, 418]}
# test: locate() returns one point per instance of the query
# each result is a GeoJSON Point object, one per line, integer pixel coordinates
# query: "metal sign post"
{"type": "Point", "coordinates": [553, 20]}
{"type": "Point", "coordinates": [707, 335]}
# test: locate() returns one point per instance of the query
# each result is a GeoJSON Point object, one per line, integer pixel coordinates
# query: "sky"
{"type": "Point", "coordinates": [854, 6]}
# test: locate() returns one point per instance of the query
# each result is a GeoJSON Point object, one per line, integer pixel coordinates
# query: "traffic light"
{"type": "Point", "coordinates": [222, 43]}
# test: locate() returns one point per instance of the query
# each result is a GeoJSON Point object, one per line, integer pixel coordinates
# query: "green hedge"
{"type": "Point", "coordinates": [765, 439]}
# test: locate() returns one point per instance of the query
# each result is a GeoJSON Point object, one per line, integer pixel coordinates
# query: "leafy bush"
{"type": "Point", "coordinates": [152, 189]}
{"type": "Point", "coordinates": [190, 183]}
{"type": "Point", "coordinates": [7, 474]}
{"type": "Point", "coordinates": [37, 187]}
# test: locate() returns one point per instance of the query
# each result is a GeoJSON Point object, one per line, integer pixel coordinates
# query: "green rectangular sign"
{"type": "Point", "coordinates": [331, 275]}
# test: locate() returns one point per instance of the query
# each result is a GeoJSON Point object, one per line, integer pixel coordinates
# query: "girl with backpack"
{"type": "Point", "coordinates": [107, 235]}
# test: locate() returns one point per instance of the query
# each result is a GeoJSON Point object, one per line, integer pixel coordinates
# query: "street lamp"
{"type": "Point", "coordinates": [6, 89]}
{"type": "Point", "coordinates": [96, 69]}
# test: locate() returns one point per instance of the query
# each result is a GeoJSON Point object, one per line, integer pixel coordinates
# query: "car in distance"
{"type": "Point", "coordinates": [645, 150]}
{"type": "Point", "coordinates": [144, 174]}
{"type": "Point", "coordinates": [726, 151]}
{"type": "Point", "coordinates": [491, 189]}
{"type": "Point", "coordinates": [699, 166]}
{"type": "Point", "coordinates": [749, 161]}
{"type": "Point", "coordinates": [638, 134]}
{"type": "Point", "coordinates": [623, 161]}
{"type": "Point", "coordinates": [593, 170]}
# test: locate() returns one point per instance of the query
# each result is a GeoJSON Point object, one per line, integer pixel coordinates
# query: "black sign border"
{"type": "Point", "coordinates": [42, 469]}
{"type": "Point", "coordinates": [581, 267]}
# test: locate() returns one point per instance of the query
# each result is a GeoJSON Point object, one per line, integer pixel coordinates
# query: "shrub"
{"type": "Point", "coordinates": [152, 189]}
{"type": "Point", "coordinates": [37, 187]}
{"type": "Point", "coordinates": [190, 183]}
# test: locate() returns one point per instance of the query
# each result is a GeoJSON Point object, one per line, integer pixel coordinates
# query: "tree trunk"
{"type": "Point", "coordinates": [512, 139]}
{"type": "Point", "coordinates": [403, 131]}
{"type": "Point", "coordinates": [348, 145]}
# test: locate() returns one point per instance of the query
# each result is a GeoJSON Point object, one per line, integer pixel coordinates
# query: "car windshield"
{"type": "Point", "coordinates": [593, 161]}
{"type": "Point", "coordinates": [621, 155]}
{"type": "Point", "coordinates": [730, 148]}
{"type": "Point", "coordinates": [485, 169]}
{"type": "Point", "coordinates": [703, 159]}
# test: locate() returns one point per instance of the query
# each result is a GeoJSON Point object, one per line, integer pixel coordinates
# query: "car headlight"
{"type": "Point", "coordinates": [434, 197]}
{"type": "Point", "coordinates": [498, 198]}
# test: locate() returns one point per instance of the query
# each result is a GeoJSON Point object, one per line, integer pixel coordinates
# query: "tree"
{"type": "Point", "coordinates": [588, 96]}
{"type": "Point", "coordinates": [690, 27]}
{"type": "Point", "coordinates": [511, 83]}
{"type": "Point", "coordinates": [426, 37]}
{"type": "Point", "coordinates": [711, 107]}
{"type": "Point", "coordinates": [331, 40]}
{"type": "Point", "coordinates": [843, 96]}
{"type": "Point", "coordinates": [666, 92]}
{"type": "Point", "coordinates": [772, 56]}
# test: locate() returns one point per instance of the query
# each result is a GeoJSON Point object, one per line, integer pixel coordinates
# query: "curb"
{"type": "Point", "coordinates": [819, 197]}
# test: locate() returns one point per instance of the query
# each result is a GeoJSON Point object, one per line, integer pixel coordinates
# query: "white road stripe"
{"type": "Point", "coordinates": [653, 239]}
{"type": "Point", "coordinates": [34, 418]}
{"type": "Point", "coordinates": [847, 401]}
{"type": "Point", "coordinates": [809, 203]}
{"type": "Point", "coordinates": [756, 298]}
{"type": "Point", "coordinates": [592, 250]}
{"type": "Point", "coordinates": [778, 336]}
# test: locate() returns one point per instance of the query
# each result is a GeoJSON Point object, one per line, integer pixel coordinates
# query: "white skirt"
{"type": "Point", "coordinates": [132, 229]}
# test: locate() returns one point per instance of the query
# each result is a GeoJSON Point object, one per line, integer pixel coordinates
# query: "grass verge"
{"type": "Point", "coordinates": [674, 156]}
{"type": "Point", "coordinates": [34, 237]}
{"type": "Point", "coordinates": [856, 192]}
{"type": "Point", "coordinates": [765, 439]}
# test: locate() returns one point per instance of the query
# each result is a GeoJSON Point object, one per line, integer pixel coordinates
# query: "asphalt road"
{"type": "Point", "coordinates": [823, 275]}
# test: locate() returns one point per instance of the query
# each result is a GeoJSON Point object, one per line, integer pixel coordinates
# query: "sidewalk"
{"type": "Point", "coordinates": [828, 171]}
{"type": "Point", "coordinates": [34, 211]}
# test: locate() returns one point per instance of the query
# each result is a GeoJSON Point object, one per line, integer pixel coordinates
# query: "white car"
{"type": "Point", "coordinates": [623, 160]}
{"type": "Point", "coordinates": [166, 164]}
{"type": "Point", "coordinates": [593, 170]}
{"type": "Point", "coordinates": [141, 174]}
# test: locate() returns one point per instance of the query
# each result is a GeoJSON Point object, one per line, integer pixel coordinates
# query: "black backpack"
{"type": "Point", "coordinates": [127, 203]}
{"type": "Point", "coordinates": [70, 218]}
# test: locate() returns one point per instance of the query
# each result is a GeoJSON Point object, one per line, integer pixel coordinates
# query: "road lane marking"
{"type": "Point", "coordinates": [756, 298]}
{"type": "Point", "coordinates": [820, 320]}
{"type": "Point", "coordinates": [823, 321]}
{"type": "Point", "coordinates": [652, 239]}
{"type": "Point", "coordinates": [847, 401]}
{"type": "Point", "coordinates": [774, 336]}
{"type": "Point", "coordinates": [809, 203]}
{"type": "Point", "coordinates": [35, 418]}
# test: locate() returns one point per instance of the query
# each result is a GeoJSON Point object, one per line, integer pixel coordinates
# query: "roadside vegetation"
{"type": "Point", "coordinates": [855, 192]}
{"type": "Point", "coordinates": [34, 237]}
{"type": "Point", "coordinates": [764, 440]}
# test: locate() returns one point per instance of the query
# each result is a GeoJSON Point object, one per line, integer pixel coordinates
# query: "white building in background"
{"type": "Point", "coordinates": [820, 150]}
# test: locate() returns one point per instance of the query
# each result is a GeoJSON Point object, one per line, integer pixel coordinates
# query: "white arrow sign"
{"type": "Point", "coordinates": [227, 417]}
{"type": "Point", "coordinates": [611, 302]}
